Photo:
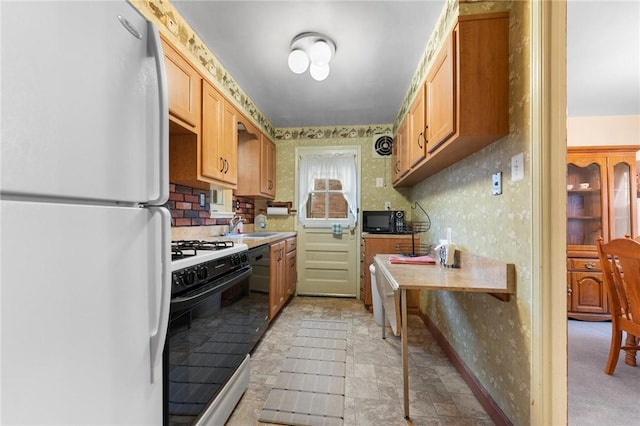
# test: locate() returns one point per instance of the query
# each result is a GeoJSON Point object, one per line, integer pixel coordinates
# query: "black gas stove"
{"type": "Point", "coordinates": [215, 322]}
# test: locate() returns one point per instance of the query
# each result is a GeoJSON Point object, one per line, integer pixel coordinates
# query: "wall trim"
{"type": "Point", "coordinates": [484, 398]}
{"type": "Point", "coordinates": [548, 387]}
{"type": "Point", "coordinates": [331, 132]}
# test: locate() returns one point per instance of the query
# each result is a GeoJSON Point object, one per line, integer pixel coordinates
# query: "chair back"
{"type": "Point", "coordinates": [620, 262]}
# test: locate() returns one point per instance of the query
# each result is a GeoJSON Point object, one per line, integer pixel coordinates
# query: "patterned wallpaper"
{"type": "Point", "coordinates": [493, 338]}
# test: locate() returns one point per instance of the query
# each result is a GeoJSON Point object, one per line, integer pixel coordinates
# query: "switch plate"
{"type": "Point", "coordinates": [203, 199]}
{"type": "Point", "coordinates": [517, 167]}
{"type": "Point", "coordinates": [387, 205]}
{"type": "Point", "coordinates": [496, 185]}
{"type": "Point", "coordinates": [379, 183]}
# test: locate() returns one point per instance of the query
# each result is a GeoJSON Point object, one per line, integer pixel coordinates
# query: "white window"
{"type": "Point", "coordinates": [328, 187]}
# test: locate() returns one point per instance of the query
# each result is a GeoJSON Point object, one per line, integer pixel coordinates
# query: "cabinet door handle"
{"type": "Point", "coordinates": [221, 165]}
{"type": "Point", "coordinates": [569, 291]}
{"type": "Point", "coordinates": [420, 137]}
{"type": "Point", "coordinates": [589, 265]}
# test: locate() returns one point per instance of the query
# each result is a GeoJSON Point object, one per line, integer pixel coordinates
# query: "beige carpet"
{"type": "Point", "coordinates": [596, 399]}
{"type": "Point", "coordinates": [310, 387]}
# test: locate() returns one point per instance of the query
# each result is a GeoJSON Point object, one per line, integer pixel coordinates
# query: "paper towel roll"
{"type": "Point", "coordinates": [277, 210]}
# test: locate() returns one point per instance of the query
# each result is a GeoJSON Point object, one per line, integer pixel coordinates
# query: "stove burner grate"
{"type": "Point", "coordinates": [187, 248]}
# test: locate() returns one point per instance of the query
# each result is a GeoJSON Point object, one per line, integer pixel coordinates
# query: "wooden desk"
{"type": "Point", "coordinates": [476, 274]}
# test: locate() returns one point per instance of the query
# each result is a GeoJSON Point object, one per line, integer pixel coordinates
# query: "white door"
{"type": "Point", "coordinates": [328, 236]}
{"type": "Point", "coordinates": [83, 112]}
{"type": "Point", "coordinates": [328, 263]}
{"type": "Point", "coordinates": [82, 289]}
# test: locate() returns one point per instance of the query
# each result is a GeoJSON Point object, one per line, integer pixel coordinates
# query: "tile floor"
{"type": "Point", "coordinates": [373, 394]}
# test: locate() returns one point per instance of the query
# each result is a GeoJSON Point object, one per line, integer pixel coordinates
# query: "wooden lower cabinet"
{"type": "Point", "coordinates": [587, 294]}
{"type": "Point", "coordinates": [373, 244]}
{"type": "Point", "coordinates": [282, 274]}
{"type": "Point", "coordinates": [290, 266]}
{"type": "Point", "coordinates": [276, 278]}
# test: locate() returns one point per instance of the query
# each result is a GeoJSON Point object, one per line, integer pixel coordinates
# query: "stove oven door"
{"type": "Point", "coordinates": [210, 335]}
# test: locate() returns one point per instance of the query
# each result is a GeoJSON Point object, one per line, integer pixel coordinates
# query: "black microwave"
{"type": "Point", "coordinates": [383, 221]}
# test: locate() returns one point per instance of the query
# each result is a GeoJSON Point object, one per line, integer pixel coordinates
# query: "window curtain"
{"type": "Point", "coordinates": [334, 166]}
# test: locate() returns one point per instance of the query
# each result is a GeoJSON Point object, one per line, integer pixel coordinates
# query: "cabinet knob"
{"type": "Point", "coordinates": [589, 265]}
{"type": "Point", "coordinates": [569, 291]}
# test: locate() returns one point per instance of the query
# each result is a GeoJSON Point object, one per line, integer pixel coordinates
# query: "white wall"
{"type": "Point", "coordinates": [604, 130]}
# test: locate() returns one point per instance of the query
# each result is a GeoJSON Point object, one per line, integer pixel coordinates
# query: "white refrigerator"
{"type": "Point", "coordinates": [85, 241]}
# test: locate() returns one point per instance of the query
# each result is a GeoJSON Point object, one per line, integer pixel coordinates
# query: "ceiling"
{"type": "Point", "coordinates": [379, 45]}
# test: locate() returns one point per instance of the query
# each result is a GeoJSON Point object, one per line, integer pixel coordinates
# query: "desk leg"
{"type": "Point", "coordinates": [405, 354]}
{"type": "Point", "coordinates": [384, 319]}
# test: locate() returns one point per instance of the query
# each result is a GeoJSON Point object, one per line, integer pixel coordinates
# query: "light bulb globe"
{"type": "Point", "coordinates": [298, 61]}
{"type": "Point", "coordinates": [319, 72]}
{"type": "Point", "coordinates": [320, 52]}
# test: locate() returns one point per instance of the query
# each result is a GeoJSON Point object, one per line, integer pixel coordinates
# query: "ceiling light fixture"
{"type": "Point", "coordinates": [313, 51]}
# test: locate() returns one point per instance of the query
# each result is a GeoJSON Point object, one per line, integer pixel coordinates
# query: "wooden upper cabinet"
{"type": "Point", "coordinates": [399, 151]}
{"type": "Point", "coordinates": [229, 145]}
{"type": "Point", "coordinates": [268, 167]}
{"type": "Point", "coordinates": [218, 159]}
{"type": "Point", "coordinates": [440, 88]}
{"type": "Point", "coordinates": [467, 94]}
{"type": "Point", "coordinates": [184, 89]}
{"type": "Point", "coordinates": [416, 136]}
{"type": "Point", "coordinates": [211, 161]}
{"type": "Point", "coordinates": [256, 157]}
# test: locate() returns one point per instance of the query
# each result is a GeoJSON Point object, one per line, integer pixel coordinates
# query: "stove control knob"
{"type": "Point", "coordinates": [202, 272]}
{"type": "Point", "coordinates": [244, 258]}
{"type": "Point", "coordinates": [189, 277]}
{"type": "Point", "coordinates": [235, 260]}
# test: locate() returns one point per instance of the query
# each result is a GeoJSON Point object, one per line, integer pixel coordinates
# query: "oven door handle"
{"type": "Point", "coordinates": [181, 303]}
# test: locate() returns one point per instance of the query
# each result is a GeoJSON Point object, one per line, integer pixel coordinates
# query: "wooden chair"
{"type": "Point", "coordinates": [620, 261]}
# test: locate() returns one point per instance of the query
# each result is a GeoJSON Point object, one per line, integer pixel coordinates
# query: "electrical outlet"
{"type": "Point", "coordinates": [517, 167]}
{"type": "Point", "coordinates": [496, 184]}
{"type": "Point", "coordinates": [203, 199]}
{"type": "Point", "coordinates": [387, 205]}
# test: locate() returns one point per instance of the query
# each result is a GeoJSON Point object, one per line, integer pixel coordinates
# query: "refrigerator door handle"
{"type": "Point", "coordinates": [159, 329]}
{"type": "Point", "coordinates": [155, 47]}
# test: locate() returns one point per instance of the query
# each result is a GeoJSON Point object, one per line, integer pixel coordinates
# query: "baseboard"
{"type": "Point", "coordinates": [484, 398]}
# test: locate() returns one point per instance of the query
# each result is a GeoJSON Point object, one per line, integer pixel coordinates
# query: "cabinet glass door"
{"type": "Point", "coordinates": [621, 203]}
{"type": "Point", "coordinates": [584, 204]}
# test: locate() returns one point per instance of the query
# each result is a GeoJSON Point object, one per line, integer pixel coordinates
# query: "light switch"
{"type": "Point", "coordinates": [379, 183]}
{"type": "Point", "coordinates": [517, 167]}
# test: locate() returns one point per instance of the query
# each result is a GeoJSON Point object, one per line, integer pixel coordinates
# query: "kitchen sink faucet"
{"type": "Point", "coordinates": [234, 223]}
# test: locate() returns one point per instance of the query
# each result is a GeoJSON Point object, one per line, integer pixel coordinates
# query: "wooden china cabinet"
{"type": "Point", "coordinates": [601, 202]}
